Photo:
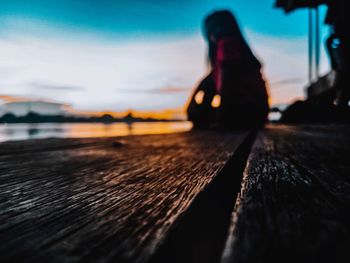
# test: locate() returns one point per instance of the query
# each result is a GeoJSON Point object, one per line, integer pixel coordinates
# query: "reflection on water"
{"type": "Point", "coordinates": [80, 130]}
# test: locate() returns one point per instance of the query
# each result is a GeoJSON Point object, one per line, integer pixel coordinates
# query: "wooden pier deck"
{"type": "Point", "coordinates": [282, 194]}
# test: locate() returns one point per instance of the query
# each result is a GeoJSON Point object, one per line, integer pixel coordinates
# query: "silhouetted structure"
{"type": "Point", "coordinates": [233, 95]}
{"type": "Point", "coordinates": [338, 43]}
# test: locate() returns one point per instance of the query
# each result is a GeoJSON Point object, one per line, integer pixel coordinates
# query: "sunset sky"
{"type": "Point", "coordinates": [138, 54]}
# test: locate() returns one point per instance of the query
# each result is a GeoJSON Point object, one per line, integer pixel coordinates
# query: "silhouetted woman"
{"type": "Point", "coordinates": [234, 94]}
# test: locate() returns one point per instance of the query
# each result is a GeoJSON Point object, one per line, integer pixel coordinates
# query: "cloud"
{"type": "Point", "coordinates": [9, 98]}
{"type": "Point", "coordinates": [170, 90]}
{"type": "Point", "coordinates": [164, 90]}
{"type": "Point", "coordinates": [288, 81]}
{"type": "Point", "coordinates": [54, 87]}
{"type": "Point", "coordinates": [4, 99]}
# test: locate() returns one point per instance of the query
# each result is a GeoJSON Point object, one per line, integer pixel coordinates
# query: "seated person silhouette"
{"type": "Point", "coordinates": [233, 95]}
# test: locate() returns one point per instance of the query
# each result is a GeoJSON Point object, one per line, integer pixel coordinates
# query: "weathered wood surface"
{"type": "Point", "coordinates": [294, 204]}
{"type": "Point", "coordinates": [105, 200]}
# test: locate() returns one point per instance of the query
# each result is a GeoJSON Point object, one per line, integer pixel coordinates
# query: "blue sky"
{"type": "Point", "coordinates": [140, 54]}
{"type": "Point", "coordinates": [113, 18]}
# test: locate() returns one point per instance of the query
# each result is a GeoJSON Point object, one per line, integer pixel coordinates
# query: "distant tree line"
{"type": "Point", "coordinates": [33, 117]}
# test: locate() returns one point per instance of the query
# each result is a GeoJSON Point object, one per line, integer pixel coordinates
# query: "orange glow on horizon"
{"type": "Point", "coordinates": [287, 101]}
{"type": "Point", "coordinates": [123, 129]}
{"type": "Point", "coordinates": [178, 113]}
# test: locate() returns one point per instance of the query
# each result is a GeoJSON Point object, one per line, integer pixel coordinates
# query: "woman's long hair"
{"type": "Point", "coordinates": [221, 24]}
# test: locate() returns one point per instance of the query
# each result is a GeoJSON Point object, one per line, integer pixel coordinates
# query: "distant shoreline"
{"type": "Point", "coordinates": [91, 122]}
{"type": "Point", "coordinates": [33, 117]}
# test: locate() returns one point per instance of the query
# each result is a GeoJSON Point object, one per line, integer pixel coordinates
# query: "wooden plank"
{"type": "Point", "coordinates": [294, 204]}
{"type": "Point", "coordinates": [110, 200]}
{"type": "Point", "coordinates": [53, 144]}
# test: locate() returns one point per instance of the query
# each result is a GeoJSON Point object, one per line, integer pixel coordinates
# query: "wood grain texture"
{"type": "Point", "coordinates": [294, 204]}
{"type": "Point", "coordinates": [105, 200]}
